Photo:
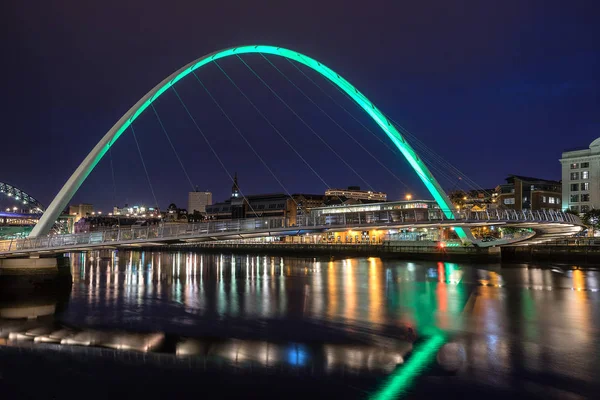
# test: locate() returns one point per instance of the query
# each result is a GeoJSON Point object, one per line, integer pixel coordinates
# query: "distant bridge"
{"type": "Point", "coordinates": [545, 225]}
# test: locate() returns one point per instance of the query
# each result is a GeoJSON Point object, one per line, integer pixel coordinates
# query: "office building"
{"type": "Point", "coordinates": [581, 178]}
{"type": "Point", "coordinates": [354, 192]}
{"type": "Point", "coordinates": [197, 201]}
{"type": "Point", "coordinates": [81, 210]}
{"type": "Point", "coordinates": [264, 205]}
{"type": "Point", "coordinates": [527, 193]}
{"type": "Point", "coordinates": [474, 200]}
{"type": "Point", "coordinates": [136, 211]}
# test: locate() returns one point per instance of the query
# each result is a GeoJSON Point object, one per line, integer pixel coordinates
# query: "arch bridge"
{"type": "Point", "coordinates": [38, 239]}
{"type": "Point", "coordinates": [20, 196]}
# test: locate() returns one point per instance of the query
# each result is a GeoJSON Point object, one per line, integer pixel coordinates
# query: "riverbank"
{"type": "Point", "coordinates": [413, 251]}
{"type": "Point", "coordinates": [570, 254]}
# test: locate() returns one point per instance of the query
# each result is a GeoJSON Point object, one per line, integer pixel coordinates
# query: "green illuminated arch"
{"type": "Point", "coordinates": [81, 173]}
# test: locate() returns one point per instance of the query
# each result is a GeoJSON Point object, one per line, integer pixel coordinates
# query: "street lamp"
{"type": "Point", "coordinates": [409, 196]}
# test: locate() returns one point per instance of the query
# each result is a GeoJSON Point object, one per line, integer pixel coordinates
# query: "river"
{"type": "Point", "coordinates": [526, 330]}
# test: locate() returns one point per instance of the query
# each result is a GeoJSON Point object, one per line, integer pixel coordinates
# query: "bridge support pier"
{"type": "Point", "coordinates": [35, 265]}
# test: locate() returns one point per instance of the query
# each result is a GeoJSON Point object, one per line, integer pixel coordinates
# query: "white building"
{"type": "Point", "coordinates": [136, 211]}
{"type": "Point", "coordinates": [354, 192]}
{"type": "Point", "coordinates": [581, 178]}
{"type": "Point", "coordinates": [197, 201]}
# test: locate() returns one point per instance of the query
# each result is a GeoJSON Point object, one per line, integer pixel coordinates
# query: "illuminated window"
{"type": "Point", "coordinates": [574, 166]}
{"type": "Point", "coordinates": [543, 199]}
{"type": "Point", "coordinates": [585, 174]}
{"type": "Point", "coordinates": [510, 200]}
{"type": "Point", "coordinates": [551, 200]}
{"type": "Point", "coordinates": [585, 186]}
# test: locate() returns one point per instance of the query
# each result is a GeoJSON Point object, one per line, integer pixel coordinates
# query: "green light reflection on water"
{"type": "Point", "coordinates": [403, 377]}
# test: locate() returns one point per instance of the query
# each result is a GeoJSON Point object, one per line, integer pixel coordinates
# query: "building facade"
{"type": "Point", "coordinates": [354, 192]}
{"type": "Point", "coordinates": [197, 201]}
{"type": "Point", "coordinates": [474, 200]}
{"type": "Point", "coordinates": [81, 210]}
{"type": "Point", "coordinates": [136, 211]}
{"type": "Point", "coordinates": [264, 205]}
{"type": "Point", "coordinates": [527, 193]}
{"type": "Point", "coordinates": [581, 178]}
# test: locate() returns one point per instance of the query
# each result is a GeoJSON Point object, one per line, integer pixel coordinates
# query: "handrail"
{"type": "Point", "coordinates": [365, 219]}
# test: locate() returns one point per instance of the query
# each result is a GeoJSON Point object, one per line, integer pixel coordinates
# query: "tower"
{"type": "Point", "coordinates": [235, 189]}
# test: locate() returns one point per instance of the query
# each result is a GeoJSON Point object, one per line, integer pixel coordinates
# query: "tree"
{"type": "Point", "coordinates": [196, 217]}
{"type": "Point", "coordinates": [591, 219]}
{"type": "Point", "coordinates": [457, 197]}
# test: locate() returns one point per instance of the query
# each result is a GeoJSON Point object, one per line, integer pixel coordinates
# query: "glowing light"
{"type": "Point", "coordinates": [404, 376]}
{"type": "Point", "coordinates": [409, 196]}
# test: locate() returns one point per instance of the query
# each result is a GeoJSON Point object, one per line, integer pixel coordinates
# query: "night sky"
{"type": "Point", "coordinates": [495, 87]}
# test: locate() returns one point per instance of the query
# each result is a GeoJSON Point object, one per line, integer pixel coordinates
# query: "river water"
{"type": "Point", "coordinates": [526, 330]}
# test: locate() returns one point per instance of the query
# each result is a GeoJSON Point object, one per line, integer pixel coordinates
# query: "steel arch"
{"type": "Point", "coordinates": [78, 177]}
{"type": "Point", "coordinates": [21, 196]}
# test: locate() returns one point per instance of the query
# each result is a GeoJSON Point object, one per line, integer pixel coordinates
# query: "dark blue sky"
{"type": "Point", "coordinates": [494, 87]}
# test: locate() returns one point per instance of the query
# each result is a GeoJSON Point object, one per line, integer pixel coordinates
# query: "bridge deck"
{"type": "Point", "coordinates": [545, 225]}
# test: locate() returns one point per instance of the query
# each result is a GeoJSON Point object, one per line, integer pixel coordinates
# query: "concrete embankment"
{"type": "Point", "coordinates": [570, 254]}
{"type": "Point", "coordinates": [413, 252]}
{"type": "Point", "coordinates": [52, 265]}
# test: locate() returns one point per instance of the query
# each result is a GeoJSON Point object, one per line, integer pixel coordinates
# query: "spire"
{"type": "Point", "coordinates": [235, 189]}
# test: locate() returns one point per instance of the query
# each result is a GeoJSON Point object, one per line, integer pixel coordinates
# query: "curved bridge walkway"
{"type": "Point", "coordinates": [546, 225]}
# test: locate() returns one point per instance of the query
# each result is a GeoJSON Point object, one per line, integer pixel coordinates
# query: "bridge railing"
{"type": "Point", "coordinates": [435, 215]}
{"type": "Point", "coordinates": [139, 233]}
{"type": "Point", "coordinates": [164, 232]}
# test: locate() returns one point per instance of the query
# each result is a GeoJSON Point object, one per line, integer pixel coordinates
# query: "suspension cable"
{"type": "Point", "coordinates": [440, 159]}
{"type": "Point", "coordinates": [172, 145]}
{"type": "Point", "coordinates": [144, 165]}
{"type": "Point", "coordinates": [264, 117]}
{"type": "Point", "coordinates": [335, 122]}
{"type": "Point", "coordinates": [272, 126]}
{"type": "Point", "coordinates": [244, 138]}
{"type": "Point", "coordinates": [394, 150]}
{"type": "Point", "coordinates": [304, 122]}
{"type": "Point", "coordinates": [211, 147]}
{"type": "Point", "coordinates": [413, 138]}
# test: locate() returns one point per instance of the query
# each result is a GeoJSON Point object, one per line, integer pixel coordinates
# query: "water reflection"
{"type": "Point", "coordinates": [331, 313]}
{"type": "Point", "coordinates": [131, 286]}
